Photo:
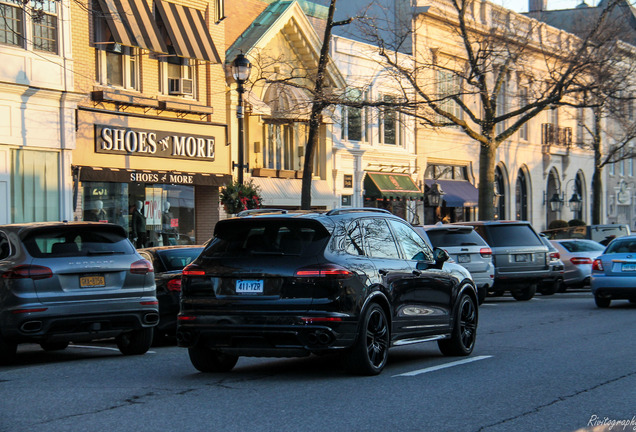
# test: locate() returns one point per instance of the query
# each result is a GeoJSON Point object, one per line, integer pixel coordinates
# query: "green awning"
{"type": "Point", "coordinates": [390, 185]}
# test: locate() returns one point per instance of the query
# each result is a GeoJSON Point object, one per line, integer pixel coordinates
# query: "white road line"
{"type": "Point", "coordinates": [443, 366]}
{"type": "Point", "coordinates": [102, 348]}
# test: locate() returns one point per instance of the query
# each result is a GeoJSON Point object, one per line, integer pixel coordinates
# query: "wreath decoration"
{"type": "Point", "coordinates": [237, 197]}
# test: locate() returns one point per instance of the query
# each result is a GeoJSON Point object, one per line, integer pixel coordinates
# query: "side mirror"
{"type": "Point", "coordinates": [441, 256]}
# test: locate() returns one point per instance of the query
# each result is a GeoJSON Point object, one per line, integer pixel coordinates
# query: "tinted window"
{"type": "Point", "coordinates": [622, 246]}
{"type": "Point", "coordinates": [353, 239]}
{"type": "Point", "coordinates": [76, 241]}
{"type": "Point", "coordinates": [511, 235]}
{"type": "Point", "coordinates": [412, 244]}
{"type": "Point", "coordinates": [447, 238]}
{"type": "Point", "coordinates": [177, 259]}
{"type": "Point", "coordinates": [4, 246]}
{"type": "Point", "coordinates": [240, 237]}
{"type": "Point", "coordinates": [380, 243]}
{"type": "Point", "coordinates": [582, 246]}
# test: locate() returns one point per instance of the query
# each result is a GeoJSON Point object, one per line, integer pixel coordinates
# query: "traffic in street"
{"type": "Point", "coordinates": [554, 363]}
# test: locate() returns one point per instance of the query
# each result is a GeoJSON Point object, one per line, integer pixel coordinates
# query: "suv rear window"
{"type": "Point", "coordinates": [76, 241]}
{"type": "Point", "coordinates": [449, 238]}
{"type": "Point", "coordinates": [239, 238]}
{"type": "Point", "coordinates": [177, 259]}
{"type": "Point", "coordinates": [511, 235]}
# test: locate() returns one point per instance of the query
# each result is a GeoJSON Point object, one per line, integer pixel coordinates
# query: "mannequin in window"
{"type": "Point", "coordinates": [97, 213]}
{"type": "Point", "coordinates": [166, 225]}
{"type": "Point", "coordinates": [138, 225]}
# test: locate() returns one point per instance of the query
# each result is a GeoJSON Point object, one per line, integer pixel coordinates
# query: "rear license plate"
{"type": "Point", "coordinates": [522, 258]}
{"type": "Point", "coordinates": [93, 281]}
{"type": "Point", "coordinates": [629, 267]}
{"type": "Point", "coordinates": [249, 287]}
{"type": "Point", "coordinates": [463, 258]}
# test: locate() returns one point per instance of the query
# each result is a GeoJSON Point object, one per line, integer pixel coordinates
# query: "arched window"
{"type": "Point", "coordinates": [521, 196]}
{"type": "Point", "coordinates": [500, 191]}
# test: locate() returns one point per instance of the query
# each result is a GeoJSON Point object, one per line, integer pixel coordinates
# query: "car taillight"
{"type": "Point", "coordinates": [193, 270]}
{"type": "Point", "coordinates": [580, 260]}
{"type": "Point", "coordinates": [555, 255]}
{"type": "Point", "coordinates": [329, 270]}
{"type": "Point", "coordinates": [485, 252]}
{"type": "Point", "coordinates": [597, 265]}
{"type": "Point", "coordinates": [28, 272]}
{"type": "Point", "coordinates": [141, 267]}
{"type": "Point", "coordinates": [174, 285]}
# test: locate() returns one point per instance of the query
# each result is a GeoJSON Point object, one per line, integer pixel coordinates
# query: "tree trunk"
{"type": "Point", "coordinates": [597, 177]}
{"type": "Point", "coordinates": [487, 181]}
{"type": "Point", "coordinates": [316, 110]}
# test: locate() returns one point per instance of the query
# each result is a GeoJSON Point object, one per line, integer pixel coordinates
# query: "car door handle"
{"type": "Point", "coordinates": [417, 273]}
{"type": "Point", "coordinates": [383, 272]}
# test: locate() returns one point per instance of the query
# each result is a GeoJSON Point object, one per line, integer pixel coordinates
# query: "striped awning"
{"type": "Point", "coordinates": [132, 24]}
{"type": "Point", "coordinates": [188, 32]}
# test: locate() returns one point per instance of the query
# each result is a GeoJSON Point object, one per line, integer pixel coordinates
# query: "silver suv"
{"type": "Point", "coordinates": [521, 259]}
{"type": "Point", "coordinates": [466, 248]}
{"type": "Point", "coordinates": [73, 282]}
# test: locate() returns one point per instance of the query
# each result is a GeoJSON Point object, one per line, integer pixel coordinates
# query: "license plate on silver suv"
{"type": "Point", "coordinates": [249, 286]}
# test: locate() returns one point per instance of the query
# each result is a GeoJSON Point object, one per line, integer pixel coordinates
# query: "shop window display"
{"type": "Point", "coordinates": [153, 215]}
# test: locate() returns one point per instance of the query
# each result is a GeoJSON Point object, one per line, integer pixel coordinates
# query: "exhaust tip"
{"type": "Point", "coordinates": [31, 326]}
{"type": "Point", "coordinates": [151, 318]}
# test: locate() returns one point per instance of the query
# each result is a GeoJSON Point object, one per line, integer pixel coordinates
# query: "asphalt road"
{"type": "Point", "coordinates": [550, 364]}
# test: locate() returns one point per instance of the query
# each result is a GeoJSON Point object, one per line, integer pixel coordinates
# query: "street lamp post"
{"type": "Point", "coordinates": [241, 69]}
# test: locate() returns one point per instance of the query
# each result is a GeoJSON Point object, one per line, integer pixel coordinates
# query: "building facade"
{"type": "Point", "coordinates": [151, 134]}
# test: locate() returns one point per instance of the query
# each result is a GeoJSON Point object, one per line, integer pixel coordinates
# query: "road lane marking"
{"type": "Point", "coordinates": [102, 348]}
{"type": "Point", "coordinates": [443, 366]}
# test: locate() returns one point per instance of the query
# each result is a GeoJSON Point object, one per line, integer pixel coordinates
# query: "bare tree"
{"type": "Point", "coordinates": [488, 49]}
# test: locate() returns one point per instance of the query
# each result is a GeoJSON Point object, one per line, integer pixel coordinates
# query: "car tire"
{"type": "Point", "coordinates": [551, 288]}
{"type": "Point", "coordinates": [602, 302]}
{"type": "Point", "coordinates": [136, 342]}
{"type": "Point", "coordinates": [53, 346]}
{"type": "Point", "coordinates": [370, 352]}
{"type": "Point", "coordinates": [8, 352]}
{"type": "Point", "coordinates": [464, 334]}
{"type": "Point", "coordinates": [524, 294]}
{"type": "Point", "coordinates": [205, 359]}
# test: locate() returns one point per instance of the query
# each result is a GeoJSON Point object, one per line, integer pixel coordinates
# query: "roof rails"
{"type": "Point", "coordinates": [261, 211]}
{"type": "Point", "coordinates": [339, 211]}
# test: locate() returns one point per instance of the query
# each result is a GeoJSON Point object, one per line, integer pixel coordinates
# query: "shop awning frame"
{"type": "Point", "coordinates": [188, 32]}
{"type": "Point", "coordinates": [457, 193]}
{"type": "Point", "coordinates": [132, 24]}
{"type": "Point", "coordinates": [390, 185]}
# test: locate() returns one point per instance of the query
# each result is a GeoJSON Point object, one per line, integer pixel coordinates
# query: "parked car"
{"type": "Point", "coordinates": [73, 282]}
{"type": "Point", "coordinates": [520, 257]}
{"type": "Point", "coordinates": [354, 282]}
{"type": "Point", "coordinates": [168, 262]}
{"type": "Point", "coordinates": [599, 233]}
{"type": "Point", "coordinates": [554, 282]}
{"type": "Point", "coordinates": [577, 256]}
{"type": "Point", "coordinates": [466, 248]}
{"type": "Point", "coordinates": [614, 272]}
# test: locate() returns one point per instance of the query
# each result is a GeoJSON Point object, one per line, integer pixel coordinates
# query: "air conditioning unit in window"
{"type": "Point", "coordinates": [180, 86]}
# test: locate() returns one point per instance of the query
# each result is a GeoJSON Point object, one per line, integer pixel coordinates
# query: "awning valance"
{"type": "Point", "coordinates": [286, 192]}
{"type": "Point", "coordinates": [188, 32]}
{"type": "Point", "coordinates": [132, 24]}
{"type": "Point", "coordinates": [458, 193]}
{"type": "Point", "coordinates": [390, 185]}
{"type": "Point", "coordinates": [86, 173]}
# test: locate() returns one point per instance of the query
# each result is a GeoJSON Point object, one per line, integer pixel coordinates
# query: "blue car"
{"type": "Point", "coordinates": [614, 272]}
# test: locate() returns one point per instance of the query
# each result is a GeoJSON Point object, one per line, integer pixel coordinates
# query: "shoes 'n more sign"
{"type": "Point", "coordinates": [249, 286]}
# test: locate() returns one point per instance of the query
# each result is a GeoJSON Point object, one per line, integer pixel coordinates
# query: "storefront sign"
{"type": "Point", "coordinates": [348, 180]}
{"type": "Point", "coordinates": [140, 142]}
{"type": "Point", "coordinates": [147, 176]}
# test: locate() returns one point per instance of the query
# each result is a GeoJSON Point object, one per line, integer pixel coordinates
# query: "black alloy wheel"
{"type": "Point", "coordinates": [370, 352]}
{"type": "Point", "coordinates": [464, 334]}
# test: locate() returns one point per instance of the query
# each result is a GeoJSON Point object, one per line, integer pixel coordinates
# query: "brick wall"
{"type": "Point", "coordinates": [206, 201]}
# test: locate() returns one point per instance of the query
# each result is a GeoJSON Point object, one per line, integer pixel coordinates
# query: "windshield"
{"type": "Point", "coordinates": [622, 246]}
{"type": "Point", "coordinates": [512, 235]}
{"type": "Point", "coordinates": [582, 246]}
{"type": "Point", "coordinates": [242, 237]}
{"type": "Point", "coordinates": [76, 241]}
{"type": "Point", "coordinates": [464, 237]}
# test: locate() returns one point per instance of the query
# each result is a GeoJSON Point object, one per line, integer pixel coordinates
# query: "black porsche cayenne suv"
{"type": "Point", "coordinates": [354, 281]}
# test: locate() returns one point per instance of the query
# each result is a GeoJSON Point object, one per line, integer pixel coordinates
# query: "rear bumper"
{"type": "Point", "coordinates": [613, 287]}
{"type": "Point", "coordinates": [76, 321]}
{"type": "Point", "coordinates": [263, 336]}
{"type": "Point", "coordinates": [521, 277]}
